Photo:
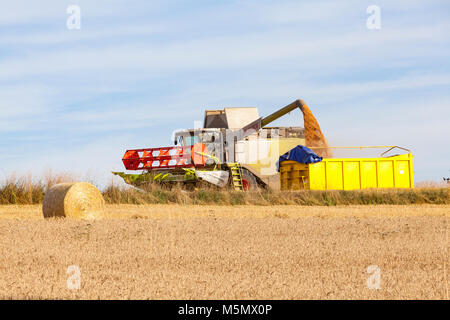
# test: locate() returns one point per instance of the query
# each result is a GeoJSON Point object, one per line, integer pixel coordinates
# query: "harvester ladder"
{"type": "Point", "coordinates": [236, 176]}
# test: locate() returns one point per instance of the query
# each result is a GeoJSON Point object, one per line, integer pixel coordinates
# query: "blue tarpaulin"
{"type": "Point", "coordinates": [300, 154]}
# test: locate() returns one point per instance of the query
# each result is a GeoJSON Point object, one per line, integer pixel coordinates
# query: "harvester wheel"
{"type": "Point", "coordinates": [248, 180]}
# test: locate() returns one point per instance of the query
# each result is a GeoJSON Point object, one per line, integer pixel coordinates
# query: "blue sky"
{"type": "Point", "coordinates": [74, 100]}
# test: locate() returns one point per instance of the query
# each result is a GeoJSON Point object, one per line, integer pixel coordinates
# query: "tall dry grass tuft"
{"type": "Point", "coordinates": [432, 184]}
{"type": "Point", "coordinates": [50, 178]}
{"type": "Point", "coordinates": [25, 190]}
{"type": "Point", "coordinates": [21, 191]}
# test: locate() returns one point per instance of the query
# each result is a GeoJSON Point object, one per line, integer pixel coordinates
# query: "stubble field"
{"type": "Point", "coordinates": [228, 252]}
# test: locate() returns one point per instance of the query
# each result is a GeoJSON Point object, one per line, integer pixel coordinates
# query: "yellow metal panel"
{"type": "Point", "coordinates": [386, 175]}
{"type": "Point", "coordinates": [334, 175]}
{"type": "Point", "coordinates": [351, 175]}
{"type": "Point", "coordinates": [317, 176]}
{"type": "Point", "coordinates": [293, 175]}
{"type": "Point", "coordinates": [284, 174]}
{"type": "Point", "coordinates": [402, 179]}
{"type": "Point", "coordinates": [368, 174]}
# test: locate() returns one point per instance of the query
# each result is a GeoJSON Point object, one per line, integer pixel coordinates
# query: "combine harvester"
{"type": "Point", "coordinates": [236, 149]}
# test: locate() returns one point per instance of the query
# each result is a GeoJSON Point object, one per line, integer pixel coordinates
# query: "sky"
{"type": "Point", "coordinates": [73, 100]}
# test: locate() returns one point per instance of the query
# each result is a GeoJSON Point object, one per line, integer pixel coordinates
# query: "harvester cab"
{"type": "Point", "coordinates": [212, 139]}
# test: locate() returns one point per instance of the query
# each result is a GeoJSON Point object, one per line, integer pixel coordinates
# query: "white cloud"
{"type": "Point", "coordinates": [220, 53]}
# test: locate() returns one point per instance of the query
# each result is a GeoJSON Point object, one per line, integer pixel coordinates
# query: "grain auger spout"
{"type": "Point", "coordinates": [313, 134]}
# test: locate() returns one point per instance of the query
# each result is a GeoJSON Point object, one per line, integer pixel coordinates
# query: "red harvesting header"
{"type": "Point", "coordinates": [166, 157]}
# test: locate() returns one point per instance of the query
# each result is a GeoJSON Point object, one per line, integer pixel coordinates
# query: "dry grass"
{"type": "Point", "coordinates": [25, 190]}
{"type": "Point", "coordinates": [242, 252]}
{"type": "Point", "coordinates": [270, 197]}
{"type": "Point", "coordinates": [432, 184]}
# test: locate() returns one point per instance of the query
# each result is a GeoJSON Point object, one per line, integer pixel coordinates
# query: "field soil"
{"type": "Point", "coordinates": [228, 252]}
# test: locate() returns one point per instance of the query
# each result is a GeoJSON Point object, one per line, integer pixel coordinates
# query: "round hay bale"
{"type": "Point", "coordinates": [79, 200]}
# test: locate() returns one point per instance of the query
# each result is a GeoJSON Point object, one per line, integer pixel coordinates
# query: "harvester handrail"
{"type": "Point", "coordinates": [393, 147]}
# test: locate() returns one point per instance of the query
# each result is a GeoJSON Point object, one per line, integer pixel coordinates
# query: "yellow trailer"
{"type": "Point", "coordinates": [348, 173]}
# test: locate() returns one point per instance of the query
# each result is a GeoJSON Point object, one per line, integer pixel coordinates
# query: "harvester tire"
{"type": "Point", "coordinates": [249, 181]}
